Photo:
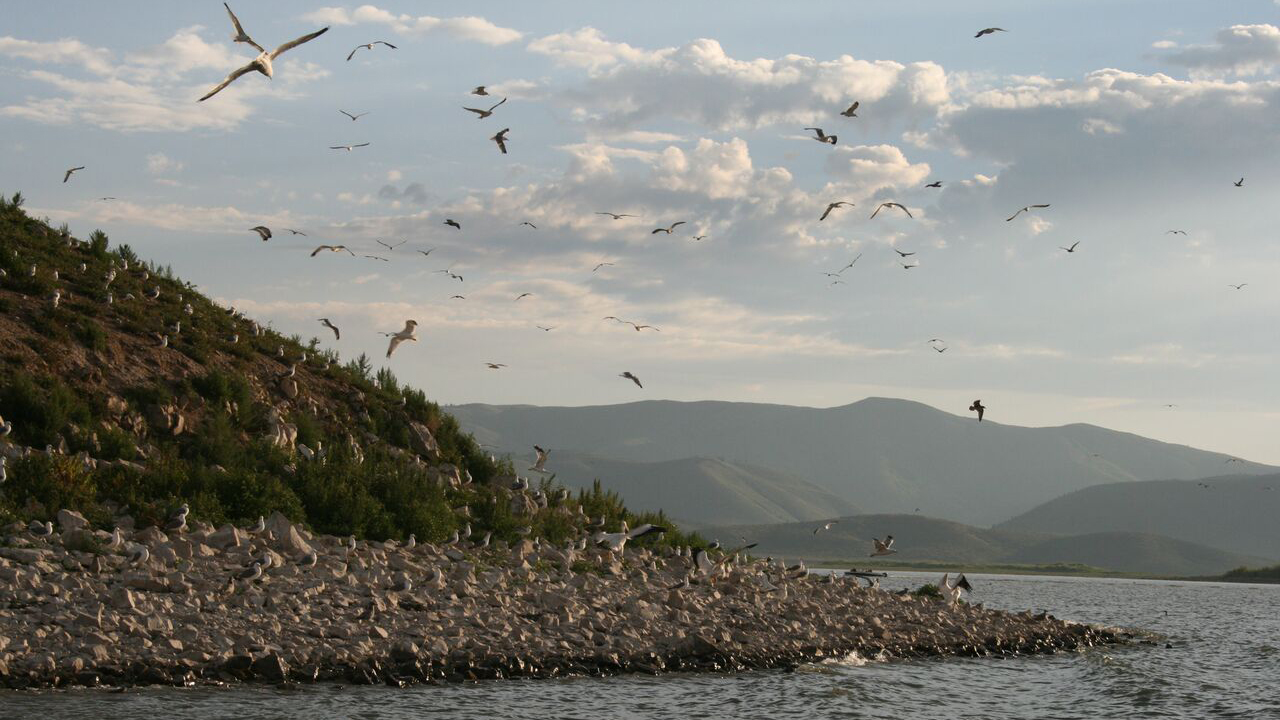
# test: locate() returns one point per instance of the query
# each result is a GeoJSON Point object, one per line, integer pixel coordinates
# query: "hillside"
{"type": "Point", "coordinates": [1233, 513]}
{"type": "Point", "coordinates": [133, 393]}
{"type": "Point", "coordinates": [930, 540]}
{"type": "Point", "coordinates": [882, 454]}
{"type": "Point", "coordinates": [702, 491]}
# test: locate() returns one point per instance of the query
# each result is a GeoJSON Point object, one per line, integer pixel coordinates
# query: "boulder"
{"type": "Point", "coordinates": [71, 520]}
{"type": "Point", "coordinates": [424, 443]}
{"type": "Point", "coordinates": [271, 667]}
{"type": "Point", "coordinates": [228, 536]}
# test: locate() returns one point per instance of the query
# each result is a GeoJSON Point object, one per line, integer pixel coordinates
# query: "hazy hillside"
{"type": "Point", "coordinates": [1235, 513]}
{"type": "Point", "coordinates": [703, 491]}
{"type": "Point", "coordinates": [884, 455]}
{"type": "Point", "coordinates": [923, 539]}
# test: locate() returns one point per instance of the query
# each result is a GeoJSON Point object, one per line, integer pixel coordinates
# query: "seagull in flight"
{"type": "Point", "coordinates": [457, 297]}
{"type": "Point", "coordinates": [597, 267]}
{"type": "Point", "coordinates": [376, 257]}
{"type": "Point", "coordinates": [824, 526]}
{"type": "Point", "coordinates": [979, 408]}
{"type": "Point", "coordinates": [1026, 209]}
{"type": "Point", "coordinates": [1239, 183]}
{"type": "Point", "coordinates": [821, 136]}
{"type": "Point", "coordinates": [851, 263]}
{"type": "Point", "coordinates": [1070, 249]}
{"type": "Point", "coordinates": [296, 232]}
{"type": "Point", "coordinates": [337, 335]}
{"type": "Point", "coordinates": [426, 253]}
{"type": "Point", "coordinates": [539, 465]}
{"type": "Point", "coordinates": [668, 230]}
{"type": "Point", "coordinates": [348, 148]}
{"type": "Point", "coordinates": [545, 328]}
{"type": "Point", "coordinates": [391, 247]}
{"type": "Point", "coordinates": [632, 378]}
{"type": "Point", "coordinates": [884, 205]}
{"type": "Point", "coordinates": [353, 117]}
{"type": "Point", "coordinates": [1238, 287]}
{"type": "Point", "coordinates": [67, 176]}
{"type": "Point", "coordinates": [989, 31]}
{"type": "Point", "coordinates": [934, 184]}
{"type": "Point", "coordinates": [523, 295]}
{"type": "Point", "coordinates": [501, 139]}
{"type": "Point", "coordinates": [699, 238]}
{"type": "Point", "coordinates": [369, 46]}
{"type": "Point", "coordinates": [482, 114]}
{"type": "Point", "coordinates": [909, 267]}
{"type": "Point", "coordinates": [903, 254]}
{"type": "Point", "coordinates": [1175, 232]}
{"type": "Point", "coordinates": [331, 248]}
{"type": "Point", "coordinates": [263, 231]}
{"type": "Point", "coordinates": [939, 349]}
{"type": "Point", "coordinates": [495, 366]}
{"type": "Point", "coordinates": [615, 216]}
{"type": "Point", "coordinates": [850, 111]}
{"type": "Point", "coordinates": [262, 63]}
{"type": "Point", "coordinates": [526, 222]}
{"type": "Point", "coordinates": [405, 334]}
{"type": "Point", "coordinates": [833, 206]}
{"type": "Point", "coordinates": [105, 199]}
{"type": "Point", "coordinates": [480, 90]}
{"type": "Point", "coordinates": [883, 547]}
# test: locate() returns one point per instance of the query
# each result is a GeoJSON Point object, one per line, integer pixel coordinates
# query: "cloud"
{"type": "Point", "coordinates": [475, 29]}
{"type": "Point", "coordinates": [161, 164]}
{"type": "Point", "coordinates": [58, 52]}
{"type": "Point", "coordinates": [1239, 50]}
{"type": "Point", "coordinates": [700, 83]}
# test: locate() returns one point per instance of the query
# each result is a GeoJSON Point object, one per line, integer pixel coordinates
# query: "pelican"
{"type": "Point", "coordinates": [337, 335]}
{"type": "Point", "coordinates": [884, 205]}
{"type": "Point", "coordinates": [540, 465]}
{"type": "Point", "coordinates": [262, 63]}
{"type": "Point", "coordinates": [821, 136]}
{"type": "Point", "coordinates": [369, 46]}
{"type": "Point", "coordinates": [405, 334]}
{"type": "Point", "coordinates": [482, 114]}
{"type": "Point", "coordinates": [883, 547]}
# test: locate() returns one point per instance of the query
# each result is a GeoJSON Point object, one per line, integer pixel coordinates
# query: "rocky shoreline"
{"type": "Point", "coordinates": [76, 611]}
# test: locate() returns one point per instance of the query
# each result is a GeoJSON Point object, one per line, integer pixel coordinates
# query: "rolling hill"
{"type": "Point", "coordinates": [930, 540]}
{"type": "Point", "coordinates": [882, 454]}
{"type": "Point", "coordinates": [1233, 513]}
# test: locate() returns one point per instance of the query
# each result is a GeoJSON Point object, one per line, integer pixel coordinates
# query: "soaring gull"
{"type": "Point", "coordinates": [337, 334]}
{"type": "Point", "coordinates": [262, 63]}
{"type": "Point", "coordinates": [482, 114]}
{"type": "Point", "coordinates": [405, 334]}
{"type": "Point", "coordinates": [369, 46]}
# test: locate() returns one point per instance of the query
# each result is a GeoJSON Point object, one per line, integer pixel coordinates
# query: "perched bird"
{"type": "Point", "coordinates": [934, 184]}
{"type": "Point", "coordinates": [262, 63]}
{"type": "Point", "coordinates": [1026, 209]}
{"type": "Point", "coordinates": [951, 590]}
{"type": "Point", "coordinates": [41, 530]}
{"type": "Point", "coordinates": [254, 572]}
{"type": "Point", "coordinates": [615, 216]}
{"type": "Point", "coordinates": [669, 228]}
{"type": "Point", "coordinates": [263, 231]}
{"type": "Point", "coordinates": [348, 148]}
{"type": "Point", "coordinates": [988, 31]}
{"type": "Point", "coordinates": [405, 334]}
{"type": "Point", "coordinates": [67, 175]}
{"type": "Point", "coordinates": [501, 139]}
{"type": "Point", "coordinates": [821, 136]}
{"type": "Point", "coordinates": [824, 526]}
{"type": "Point", "coordinates": [482, 114]}
{"type": "Point", "coordinates": [979, 408]}
{"type": "Point", "coordinates": [259, 526]}
{"type": "Point", "coordinates": [850, 111]}
{"type": "Point", "coordinates": [4, 470]}
{"type": "Point", "coordinates": [632, 378]}
{"type": "Point", "coordinates": [139, 555]}
{"type": "Point", "coordinates": [353, 117]}
{"type": "Point", "coordinates": [309, 560]}
{"type": "Point", "coordinates": [452, 223]}
{"type": "Point", "coordinates": [833, 206]}
{"type": "Point", "coordinates": [883, 547]}
{"type": "Point", "coordinates": [369, 46]}
{"type": "Point", "coordinates": [337, 334]}
{"type": "Point", "coordinates": [540, 464]}
{"type": "Point", "coordinates": [900, 206]}
{"type": "Point", "coordinates": [1070, 249]}
{"type": "Point", "coordinates": [332, 248]}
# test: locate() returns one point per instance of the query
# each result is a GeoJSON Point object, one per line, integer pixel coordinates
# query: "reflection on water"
{"type": "Point", "coordinates": [1223, 662]}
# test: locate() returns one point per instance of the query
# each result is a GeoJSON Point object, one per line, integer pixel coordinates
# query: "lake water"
{"type": "Point", "coordinates": [1224, 663]}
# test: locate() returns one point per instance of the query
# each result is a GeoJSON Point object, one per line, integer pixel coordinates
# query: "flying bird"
{"type": "Point", "coordinates": [426, 253]}
{"type": "Point", "coordinates": [833, 206]}
{"type": "Point", "coordinates": [523, 295]}
{"type": "Point", "coordinates": [263, 232]}
{"type": "Point", "coordinates": [883, 547]}
{"type": "Point", "coordinates": [545, 328]}
{"type": "Point", "coordinates": [375, 257]}
{"type": "Point", "coordinates": [1238, 287]}
{"type": "Point", "coordinates": [909, 267]}
{"type": "Point", "coordinates": [369, 46]}
{"type": "Point", "coordinates": [1070, 249]}
{"type": "Point", "coordinates": [699, 238]}
{"type": "Point", "coordinates": [934, 184]}
{"type": "Point", "coordinates": [353, 117]}
{"type": "Point", "coordinates": [539, 465]}
{"type": "Point", "coordinates": [667, 230]}
{"type": "Point", "coordinates": [501, 139]}
{"type": "Point", "coordinates": [1239, 183]}
{"type": "Point", "coordinates": [348, 148]}
{"type": "Point", "coordinates": [457, 297]}
{"type": "Point", "coordinates": [495, 366]}
{"type": "Point", "coordinates": [821, 136]}
{"type": "Point", "coordinates": [526, 222]}
{"type": "Point", "coordinates": [850, 111]}
{"type": "Point", "coordinates": [67, 176]}
{"type": "Point", "coordinates": [452, 223]}
{"type": "Point", "coordinates": [262, 63]}
{"type": "Point", "coordinates": [615, 216]}
{"type": "Point", "coordinates": [851, 263]}
{"type": "Point", "coordinates": [988, 31]}
{"type": "Point", "coordinates": [296, 232]}
{"type": "Point", "coordinates": [482, 114]}
{"type": "Point", "coordinates": [337, 335]}
{"type": "Point", "coordinates": [939, 349]}
{"type": "Point", "coordinates": [1026, 209]}
{"type": "Point", "coordinates": [900, 206]}
{"type": "Point", "coordinates": [480, 90]}
{"type": "Point", "coordinates": [632, 378]}
{"type": "Point", "coordinates": [391, 247]}
{"type": "Point", "coordinates": [331, 248]}
{"type": "Point", "coordinates": [405, 334]}
{"type": "Point", "coordinates": [903, 254]}
{"type": "Point", "coordinates": [824, 526]}
{"type": "Point", "coordinates": [1175, 232]}
{"type": "Point", "coordinates": [597, 267]}
{"type": "Point", "coordinates": [979, 408]}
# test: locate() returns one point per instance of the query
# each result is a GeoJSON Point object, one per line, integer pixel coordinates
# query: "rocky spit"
{"type": "Point", "coordinates": [75, 612]}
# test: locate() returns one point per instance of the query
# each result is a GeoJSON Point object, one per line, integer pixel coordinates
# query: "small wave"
{"type": "Point", "coordinates": [853, 659]}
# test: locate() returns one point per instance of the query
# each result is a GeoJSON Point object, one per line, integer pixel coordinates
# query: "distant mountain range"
{"type": "Point", "coordinates": [1236, 513]}
{"type": "Point", "coordinates": [923, 539]}
{"type": "Point", "coordinates": [882, 455]}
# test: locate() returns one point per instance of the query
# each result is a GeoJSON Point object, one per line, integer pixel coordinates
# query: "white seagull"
{"type": "Point", "coordinates": [617, 541]}
{"type": "Point", "coordinates": [883, 547]}
{"type": "Point", "coordinates": [951, 590]}
{"type": "Point", "coordinates": [405, 334]}
{"type": "Point", "coordinates": [824, 526]}
{"type": "Point", "coordinates": [337, 334]}
{"type": "Point", "coordinates": [540, 465]}
{"type": "Point", "coordinates": [262, 63]}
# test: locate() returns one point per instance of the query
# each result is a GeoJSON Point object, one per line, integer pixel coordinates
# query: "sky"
{"type": "Point", "coordinates": [1129, 118]}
